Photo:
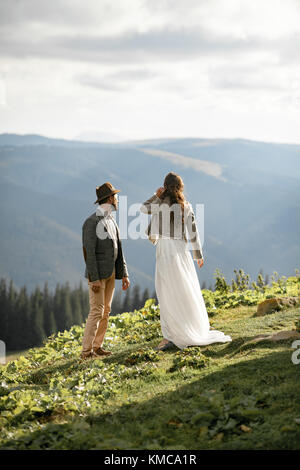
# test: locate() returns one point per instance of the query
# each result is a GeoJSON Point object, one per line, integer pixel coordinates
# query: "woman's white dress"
{"type": "Point", "coordinates": [183, 315]}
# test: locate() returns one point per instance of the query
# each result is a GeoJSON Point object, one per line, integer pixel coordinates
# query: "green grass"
{"type": "Point", "coordinates": [238, 395]}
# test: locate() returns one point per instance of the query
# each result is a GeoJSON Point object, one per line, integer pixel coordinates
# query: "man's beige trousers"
{"type": "Point", "coordinates": [97, 320]}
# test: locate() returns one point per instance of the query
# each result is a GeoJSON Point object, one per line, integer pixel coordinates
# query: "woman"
{"type": "Point", "coordinates": [183, 315]}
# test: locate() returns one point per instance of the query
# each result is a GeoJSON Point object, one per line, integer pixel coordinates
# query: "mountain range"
{"type": "Point", "coordinates": [249, 191]}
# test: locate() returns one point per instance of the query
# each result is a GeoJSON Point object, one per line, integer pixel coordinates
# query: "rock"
{"type": "Point", "coordinates": [257, 338]}
{"type": "Point", "coordinates": [281, 335]}
{"type": "Point", "coordinates": [284, 335]}
{"type": "Point", "coordinates": [272, 305]}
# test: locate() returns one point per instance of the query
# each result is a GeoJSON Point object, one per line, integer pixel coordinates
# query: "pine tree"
{"type": "Point", "coordinates": [57, 307]}
{"type": "Point", "coordinates": [66, 320]}
{"type": "Point", "coordinates": [116, 306]}
{"type": "Point", "coordinates": [127, 301]}
{"type": "Point", "coordinates": [62, 307]}
{"type": "Point", "coordinates": [22, 326]}
{"type": "Point", "coordinates": [37, 319]}
{"type": "Point", "coordinates": [136, 298]}
{"type": "Point", "coordinates": [84, 301]}
{"type": "Point", "coordinates": [11, 317]}
{"type": "Point", "coordinates": [51, 324]}
{"type": "Point", "coordinates": [49, 319]}
{"type": "Point", "coordinates": [146, 296]}
{"type": "Point", "coordinates": [76, 308]}
{"type": "Point", "coordinates": [3, 311]}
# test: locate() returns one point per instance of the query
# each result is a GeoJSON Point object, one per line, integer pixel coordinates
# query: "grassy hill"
{"type": "Point", "coordinates": [238, 395]}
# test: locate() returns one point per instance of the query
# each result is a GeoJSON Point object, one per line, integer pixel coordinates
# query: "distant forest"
{"type": "Point", "coordinates": [27, 319]}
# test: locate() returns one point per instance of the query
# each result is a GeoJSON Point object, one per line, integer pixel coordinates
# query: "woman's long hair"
{"type": "Point", "coordinates": [174, 187]}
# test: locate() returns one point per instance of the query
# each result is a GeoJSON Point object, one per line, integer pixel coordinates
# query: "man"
{"type": "Point", "coordinates": [102, 250]}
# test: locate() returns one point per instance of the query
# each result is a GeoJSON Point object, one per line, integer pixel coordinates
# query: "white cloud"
{"type": "Point", "coordinates": [2, 92]}
{"type": "Point", "coordinates": [151, 68]}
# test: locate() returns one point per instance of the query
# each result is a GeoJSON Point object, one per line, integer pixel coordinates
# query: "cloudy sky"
{"type": "Point", "coordinates": [137, 69]}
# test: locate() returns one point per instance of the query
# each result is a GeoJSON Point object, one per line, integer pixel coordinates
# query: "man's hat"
{"type": "Point", "coordinates": [105, 190]}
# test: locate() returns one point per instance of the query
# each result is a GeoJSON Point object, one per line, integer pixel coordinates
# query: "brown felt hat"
{"type": "Point", "coordinates": [105, 190]}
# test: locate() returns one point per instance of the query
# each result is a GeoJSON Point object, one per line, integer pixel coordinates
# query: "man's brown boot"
{"type": "Point", "coordinates": [88, 355]}
{"type": "Point", "coordinates": [101, 352]}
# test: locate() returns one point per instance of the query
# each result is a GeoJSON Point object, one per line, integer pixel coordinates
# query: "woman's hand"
{"type": "Point", "coordinates": [200, 262]}
{"type": "Point", "coordinates": [159, 191]}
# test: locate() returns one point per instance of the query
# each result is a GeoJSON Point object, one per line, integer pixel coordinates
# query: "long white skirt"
{"type": "Point", "coordinates": [183, 314]}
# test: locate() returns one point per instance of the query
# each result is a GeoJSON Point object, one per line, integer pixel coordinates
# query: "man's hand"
{"type": "Point", "coordinates": [200, 262]}
{"type": "Point", "coordinates": [125, 283]}
{"type": "Point", "coordinates": [159, 191]}
{"type": "Point", "coordinates": [96, 285]}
